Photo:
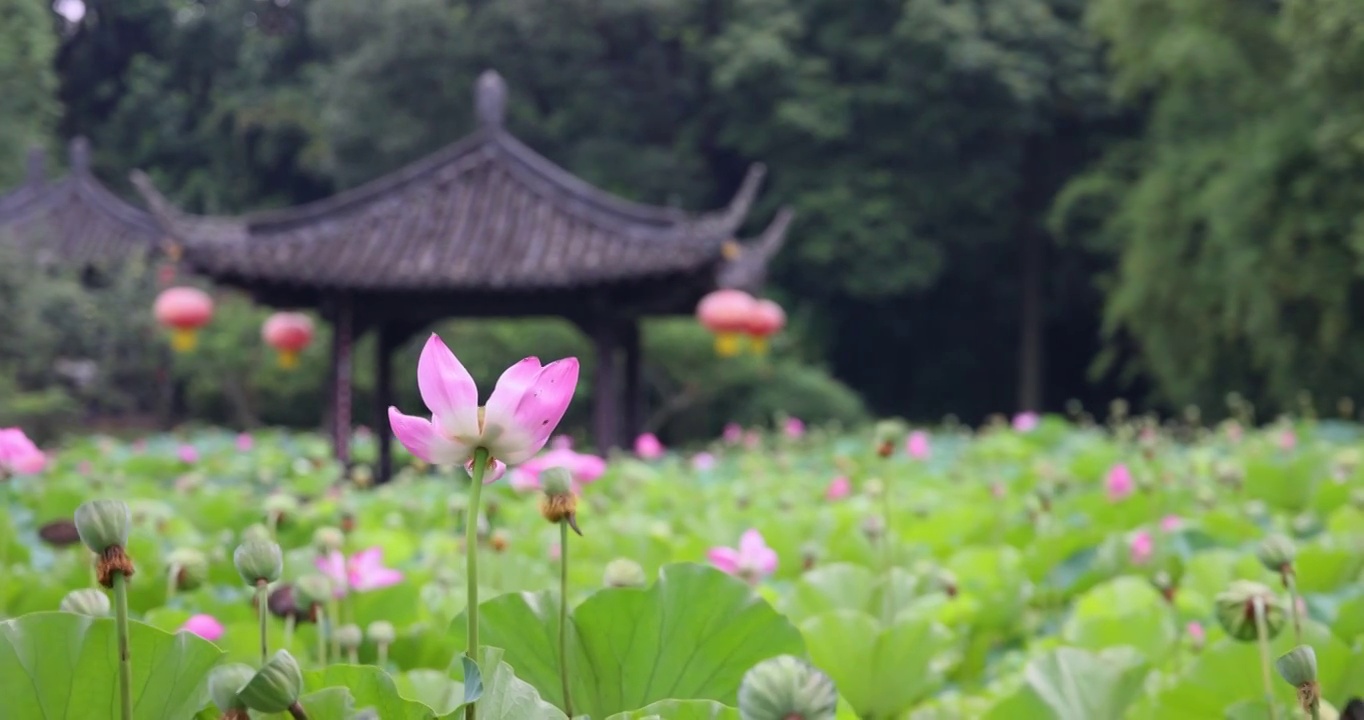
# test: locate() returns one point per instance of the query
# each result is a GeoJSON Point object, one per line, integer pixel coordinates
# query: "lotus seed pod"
{"type": "Point", "coordinates": [328, 539]}
{"type": "Point", "coordinates": [87, 601]}
{"type": "Point", "coordinates": [1298, 666]}
{"type": "Point", "coordinates": [349, 636]}
{"type": "Point", "coordinates": [1277, 552]}
{"type": "Point", "coordinates": [280, 504]}
{"type": "Point", "coordinates": [258, 560]}
{"type": "Point", "coordinates": [190, 567]}
{"type": "Point", "coordinates": [381, 632]}
{"type": "Point", "coordinates": [257, 532]}
{"type": "Point", "coordinates": [1236, 610]}
{"type": "Point", "coordinates": [624, 572]}
{"type": "Point", "coordinates": [225, 684]}
{"type": "Point", "coordinates": [557, 481]}
{"type": "Point", "coordinates": [312, 590]}
{"type": "Point", "coordinates": [787, 687]}
{"type": "Point", "coordinates": [275, 686]}
{"type": "Point", "coordinates": [103, 524]}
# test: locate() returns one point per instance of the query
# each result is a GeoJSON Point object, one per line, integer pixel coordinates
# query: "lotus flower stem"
{"type": "Point", "coordinates": [263, 607]}
{"type": "Point", "coordinates": [1290, 581]}
{"type": "Point", "coordinates": [296, 712]}
{"type": "Point", "coordinates": [1262, 637]}
{"type": "Point", "coordinates": [333, 621]}
{"type": "Point", "coordinates": [289, 621]}
{"type": "Point", "coordinates": [471, 560]}
{"type": "Point", "coordinates": [383, 655]}
{"type": "Point", "coordinates": [171, 577]}
{"type": "Point", "coordinates": [321, 638]}
{"type": "Point", "coordinates": [125, 664]}
{"type": "Point", "coordinates": [563, 614]}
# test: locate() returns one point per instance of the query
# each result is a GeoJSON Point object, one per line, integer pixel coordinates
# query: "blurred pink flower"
{"type": "Point", "coordinates": [561, 442]}
{"type": "Point", "coordinates": [648, 447]}
{"type": "Point", "coordinates": [525, 406]}
{"type": "Point", "coordinates": [18, 454]}
{"type": "Point", "coordinates": [1196, 633]}
{"type": "Point", "coordinates": [245, 442]}
{"type": "Point", "coordinates": [360, 572]}
{"type": "Point", "coordinates": [555, 551]}
{"type": "Point", "coordinates": [1025, 421]}
{"type": "Point", "coordinates": [187, 454]}
{"type": "Point", "coordinates": [840, 488]}
{"type": "Point", "coordinates": [997, 490]}
{"type": "Point", "coordinates": [1287, 440]}
{"type": "Point", "coordinates": [1170, 523]}
{"type": "Point", "coordinates": [752, 560]}
{"type": "Point", "coordinates": [918, 445]}
{"type": "Point", "coordinates": [703, 461]}
{"type": "Point", "coordinates": [139, 446]}
{"type": "Point", "coordinates": [795, 428]}
{"type": "Point", "coordinates": [84, 467]}
{"type": "Point", "coordinates": [584, 468]}
{"type": "Point", "coordinates": [1141, 546]}
{"type": "Point", "coordinates": [1118, 483]}
{"type": "Point", "coordinates": [753, 439]}
{"type": "Point", "coordinates": [362, 432]}
{"type": "Point", "coordinates": [205, 626]}
{"type": "Point", "coordinates": [733, 434]}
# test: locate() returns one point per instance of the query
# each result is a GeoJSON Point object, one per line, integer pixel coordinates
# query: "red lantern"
{"type": "Point", "coordinates": [766, 319]}
{"type": "Point", "coordinates": [184, 310]}
{"type": "Point", "coordinates": [726, 313]}
{"type": "Point", "coordinates": [289, 333]}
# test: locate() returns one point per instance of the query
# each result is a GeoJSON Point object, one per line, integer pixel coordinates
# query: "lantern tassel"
{"type": "Point", "coordinates": [727, 344]}
{"type": "Point", "coordinates": [183, 339]}
{"type": "Point", "coordinates": [288, 359]}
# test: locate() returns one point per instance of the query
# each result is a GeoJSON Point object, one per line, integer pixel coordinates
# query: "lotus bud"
{"type": "Point", "coordinates": [312, 590]}
{"type": "Point", "coordinates": [559, 504]}
{"type": "Point", "coordinates": [1236, 610]}
{"type": "Point", "coordinates": [381, 632]}
{"type": "Point", "coordinates": [225, 684]}
{"type": "Point", "coordinates": [1276, 553]}
{"type": "Point", "coordinates": [1306, 523]}
{"type": "Point", "coordinates": [279, 506]}
{"type": "Point", "coordinates": [87, 601]}
{"type": "Point", "coordinates": [189, 568]}
{"type": "Point", "coordinates": [1298, 666]}
{"type": "Point", "coordinates": [59, 533]}
{"type": "Point", "coordinates": [103, 524]}
{"type": "Point", "coordinates": [348, 522]}
{"type": "Point", "coordinates": [624, 572]}
{"type": "Point", "coordinates": [276, 686]}
{"type": "Point", "coordinates": [258, 532]}
{"type": "Point", "coordinates": [362, 476]}
{"type": "Point", "coordinates": [500, 540]}
{"type": "Point", "coordinates": [328, 539]}
{"type": "Point", "coordinates": [349, 636]}
{"type": "Point", "coordinates": [258, 560]}
{"type": "Point", "coordinates": [786, 687]}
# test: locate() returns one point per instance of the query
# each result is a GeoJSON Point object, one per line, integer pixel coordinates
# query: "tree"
{"type": "Point", "coordinates": [28, 83]}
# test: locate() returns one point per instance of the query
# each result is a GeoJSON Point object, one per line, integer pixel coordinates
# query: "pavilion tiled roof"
{"type": "Point", "coordinates": [486, 213]}
{"type": "Point", "coordinates": [74, 221]}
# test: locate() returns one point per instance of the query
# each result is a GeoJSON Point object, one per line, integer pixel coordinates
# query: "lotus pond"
{"type": "Point", "coordinates": [1043, 571]}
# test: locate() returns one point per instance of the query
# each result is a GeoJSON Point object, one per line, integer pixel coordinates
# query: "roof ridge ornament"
{"type": "Point", "coordinates": [490, 99]}
{"type": "Point", "coordinates": [79, 153]}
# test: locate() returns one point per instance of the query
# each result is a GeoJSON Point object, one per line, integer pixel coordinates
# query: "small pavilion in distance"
{"type": "Point", "coordinates": [75, 221]}
{"type": "Point", "coordinates": [485, 227]}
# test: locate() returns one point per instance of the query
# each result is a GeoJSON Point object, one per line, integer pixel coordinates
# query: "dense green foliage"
{"type": "Point", "coordinates": [1163, 194]}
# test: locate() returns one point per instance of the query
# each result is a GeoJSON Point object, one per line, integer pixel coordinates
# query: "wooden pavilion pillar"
{"type": "Point", "coordinates": [606, 385]}
{"type": "Point", "coordinates": [388, 337]}
{"type": "Point", "coordinates": [343, 344]}
{"type": "Point", "coordinates": [633, 399]}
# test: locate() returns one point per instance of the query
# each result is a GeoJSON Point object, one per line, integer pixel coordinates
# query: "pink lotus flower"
{"type": "Point", "coordinates": [1140, 547]}
{"type": "Point", "coordinates": [1118, 483]}
{"type": "Point", "coordinates": [734, 433]}
{"type": "Point", "coordinates": [648, 447]}
{"type": "Point", "coordinates": [752, 561]}
{"type": "Point", "coordinates": [360, 572]}
{"type": "Point", "coordinates": [795, 428]}
{"type": "Point", "coordinates": [703, 462]}
{"type": "Point", "coordinates": [1196, 633]}
{"type": "Point", "coordinates": [492, 472]}
{"type": "Point", "coordinates": [918, 446]}
{"type": "Point", "coordinates": [1287, 440]}
{"type": "Point", "coordinates": [1170, 523]}
{"type": "Point", "coordinates": [1025, 422]}
{"type": "Point", "coordinates": [584, 468]}
{"type": "Point", "coordinates": [245, 442]}
{"type": "Point", "coordinates": [840, 488]}
{"type": "Point", "coordinates": [561, 442]}
{"type": "Point", "coordinates": [18, 454]}
{"type": "Point", "coordinates": [205, 626]}
{"type": "Point", "coordinates": [187, 454]}
{"type": "Point", "coordinates": [525, 406]}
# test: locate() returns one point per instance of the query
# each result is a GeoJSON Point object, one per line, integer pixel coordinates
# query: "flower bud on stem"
{"type": "Point", "coordinates": [103, 527]}
{"type": "Point", "coordinates": [1262, 636]}
{"type": "Point", "coordinates": [262, 607]}
{"type": "Point", "coordinates": [480, 467]}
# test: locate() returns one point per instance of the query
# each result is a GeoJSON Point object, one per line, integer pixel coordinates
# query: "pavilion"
{"type": "Point", "coordinates": [75, 221]}
{"type": "Point", "coordinates": [485, 227]}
